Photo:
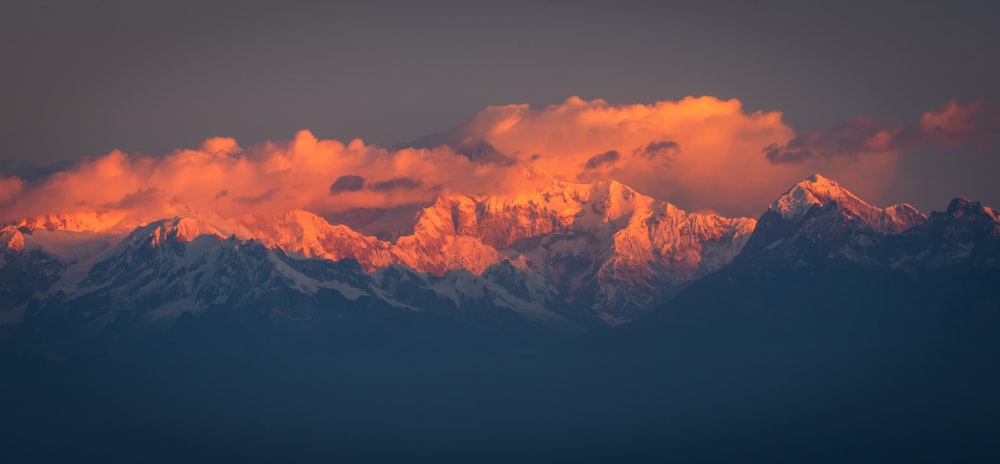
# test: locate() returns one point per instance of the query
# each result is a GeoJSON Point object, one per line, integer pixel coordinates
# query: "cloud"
{"type": "Point", "coordinates": [10, 189]}
{"type": "Point", "coordinates": [659, 149]}
{"type": "Point", "coordinates": [220, 145]}
{"type": "Point", "coordinates": [354, 183]}
{"type": "Point", "coordinates": [711, 153]}
{"type": "Point", "coordinates": [263, 198]}
{"type": "Point", "coordinates": [484, 153]}
{"type": "Point", "coordinates": [856, 137]}
{"type": "Point", "coordinates": [697, 152]}
{"type": "Point", "coordinates": [137, 199]}
{"type": "Point", "coordinates": [220, 181]}
{"type": "Point", "coordinates": [608, 157]}
{"type": "Point", "coordinates": [348, 183]}
{"type": "Point", "coordinates": [949, 126]}
{"type": "Point", "coordinates": [954, 124]}
{"type": "Point", "coordinates": [397, 183]}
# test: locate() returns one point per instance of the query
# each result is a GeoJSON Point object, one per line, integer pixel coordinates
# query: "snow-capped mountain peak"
{"type": "Point", "coordinates": [815, 191]}
{"type": "Point", "coordinates": [819, 191]}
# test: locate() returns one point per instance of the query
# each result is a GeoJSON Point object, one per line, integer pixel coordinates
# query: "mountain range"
{"type": "Point", "coordinates": [573, 257]}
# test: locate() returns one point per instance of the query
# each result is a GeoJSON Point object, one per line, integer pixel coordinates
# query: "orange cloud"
{"type": "Point", "coordinates": [220, 145]}
{"type": "Point", "coordinates": [700, 153]}
{"type": "Point", "coordinates": [220, 181]}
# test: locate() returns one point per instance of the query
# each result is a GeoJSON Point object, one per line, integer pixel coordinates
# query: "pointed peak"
{"type": "Point", "coordinates": [817, 178]}
{"type": "Point", "coordinates": [823, 187]}
{"type": "Point", "coordinates": [817, 191]}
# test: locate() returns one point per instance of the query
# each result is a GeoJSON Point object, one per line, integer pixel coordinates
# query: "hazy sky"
{"type": "Point", "coordinates": [83, 78]}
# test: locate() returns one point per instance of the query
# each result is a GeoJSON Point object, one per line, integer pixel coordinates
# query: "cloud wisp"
{"type": "Point", "coordinates": [950, 126]}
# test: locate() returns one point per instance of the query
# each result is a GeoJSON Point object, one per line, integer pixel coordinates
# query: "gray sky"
{"type": "Point", "coordinates": [82, 78]}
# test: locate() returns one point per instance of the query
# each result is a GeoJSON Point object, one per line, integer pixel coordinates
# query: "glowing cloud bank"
{"type": "Point", "coordinates": [700, 153]}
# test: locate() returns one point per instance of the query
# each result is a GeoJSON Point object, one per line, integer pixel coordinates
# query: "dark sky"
{"type": "Point", "coordinates": [82, 78]}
